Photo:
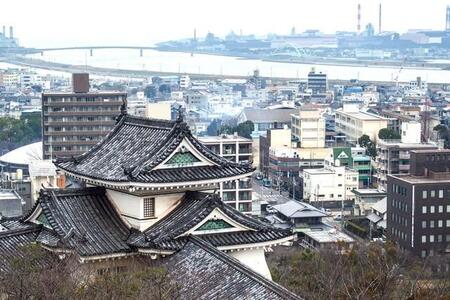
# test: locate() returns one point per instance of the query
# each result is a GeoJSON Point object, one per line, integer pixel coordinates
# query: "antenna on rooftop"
{"type": "Point", "coordinates": [359, 18]}
{"type": "Point", "coordinates": [180, 116]}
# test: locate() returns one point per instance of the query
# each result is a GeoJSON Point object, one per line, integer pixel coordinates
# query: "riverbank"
{"type": "Point", "coordinates": [331, 61]}
{"type": "Point", "coordinates": [159, 60]}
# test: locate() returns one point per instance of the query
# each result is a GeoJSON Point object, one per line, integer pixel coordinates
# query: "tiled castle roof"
{"type": "Point", "coordinates": [137, 145]}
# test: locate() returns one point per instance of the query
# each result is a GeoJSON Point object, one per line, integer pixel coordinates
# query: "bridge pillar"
{"type": "Point", "coordinates": [141, 52]}
{"type": "Point", "coordinates": [91, 52]}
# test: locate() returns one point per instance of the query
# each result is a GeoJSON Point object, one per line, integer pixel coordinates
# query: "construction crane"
{"type": "Point", "coordinates": [402, 66]}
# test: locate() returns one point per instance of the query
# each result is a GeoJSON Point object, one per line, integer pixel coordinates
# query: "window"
{"type": "Point", "coordinates": [441, 209]}
{"type": "Point", "coordinates": [431, 224]}
{"type": "Point", "coordinates": [431, 209]}
{"type": "Point", "coordinates": [424, 209]}
{"type": "Point", "coordinates": [423, 253]}
{"type": "Point", "coordinates": [447, 223]}
{"type": "Point", "coordinates": [448, 208]}
{"type": "Point", "coordinates": [447, 238]}
{"type": "Point", "coordinates": [424, 194]}
{"type": "Point", "coordinates": [432, 193]}
{"type": "Point", "coordinates": [424, 238]}
{"type": "Point", "coordinates": [439, 238]}
{"type": "Point", "coordinates": [149, 207]}
{"type": "Point", "coordinates": [441, 193]}
{"type": "Point", "coordinates": [440, 223]}
{"type": "Point", "coordinates": [431, 238]}
{"type": "Point", "coordinates": [424, 224]}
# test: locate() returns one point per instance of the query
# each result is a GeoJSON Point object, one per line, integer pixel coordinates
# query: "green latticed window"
{"type": "Point", "coordinates": [214, 224]}
{"type": "Point", "coordinates": [182, 159]}
{"type": "Point", "coordinates": [42, 219]}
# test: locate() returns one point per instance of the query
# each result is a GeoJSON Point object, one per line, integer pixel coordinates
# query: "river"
{"type": "Point", "coordinates": [161, 61]}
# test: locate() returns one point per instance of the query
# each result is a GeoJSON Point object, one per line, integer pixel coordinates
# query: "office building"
{"type": "Point", "coordinates": [264, 119]}
{"type": "Point", "coordinates": [73, 122]}
{"type": "Point", "coordinates": [317, 83]}
{"type": "Point", "coordinates": [237, 193]}
{"type": "Point", "coordinates": [308, 128]}
{"type": "Point", "coordinates": [418, 204]}
{"type": "Point", "coordinates": [353, 123]}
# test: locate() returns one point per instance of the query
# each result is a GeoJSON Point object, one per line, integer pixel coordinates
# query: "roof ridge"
{"type": "Point", "coordinates": [147, 121]}
{"type": "Point", "coordinates": [275, 287]}
{"type": "Point", "coordinates": [13, 232]}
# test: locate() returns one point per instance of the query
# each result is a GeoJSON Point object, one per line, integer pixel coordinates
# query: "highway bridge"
{"type": "Point", "coordinates": [23, 50]}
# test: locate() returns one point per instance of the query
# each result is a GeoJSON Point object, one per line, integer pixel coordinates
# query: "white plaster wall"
{"type": "Point", "coordinates": [127, 204]}
{"type": "Point", "coordinates": [254, 259]}
{"type": "Point", "coordinates": [132, 206]}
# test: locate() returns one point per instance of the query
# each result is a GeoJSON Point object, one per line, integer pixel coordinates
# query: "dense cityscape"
{"type": "Point", "coordinates": [301, 166]}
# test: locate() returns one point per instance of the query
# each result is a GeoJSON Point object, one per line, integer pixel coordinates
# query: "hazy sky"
{"type": "Point", "coordinates": [143, 22]}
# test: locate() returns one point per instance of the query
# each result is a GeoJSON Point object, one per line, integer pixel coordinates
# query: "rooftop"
{"type": "Point", "coordinates": [141, 151]}
{"type": "Point", "coordinates": [327, 234]}
{"type": "Point", "coordinates": [223, 138]}
{"type": "Point", "coordinates": [295, 209]}
{"type": "Point", "coordinates": [399, 144]}
{"type": "Point", "coordinates": [361, 115]}
{"type": "Point", "coordinates": [441, 178]}
{"type": "Point", "coordinates": [367, 192]}
{"type": "Point", "coordinates": [257, 115]}
{"type": "Point", "coordinates": [23, 155]}
{"type": "Point", "coordinates": [90, 93]}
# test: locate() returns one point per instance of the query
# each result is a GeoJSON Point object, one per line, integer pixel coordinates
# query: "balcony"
{"type": "Point", "coordinates": [76, 123]}
{"type": "Point", "coordinates": [229, 185]}
{"type": "Point", "coordinates": [68, 133]}
{"type": "Point", "coordinates": [404, 156]}
{"type": "Point", "coordinates": [245, 184]}
{"type": "Point", "coordinates": [74, 103]}
{"type": "Point", "coordinates": [403, 167]}
{"type": "Point", "coordinates": [82, 113]}
{"type": "Point", "coordinates": [70, 143]}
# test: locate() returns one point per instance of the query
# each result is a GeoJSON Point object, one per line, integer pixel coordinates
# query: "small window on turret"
{"type": "Point", "coordinates": [149, 207]}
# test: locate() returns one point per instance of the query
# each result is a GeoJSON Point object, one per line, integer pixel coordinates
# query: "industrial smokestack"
{"type": "Point", "coordinates": [379, 19]}
{"type": "Point", "coordinates": [359, 18]}
{"type": "Point", "coordinates": [447, 20]}
{"type": "Point", "coordinates": [11, 32]}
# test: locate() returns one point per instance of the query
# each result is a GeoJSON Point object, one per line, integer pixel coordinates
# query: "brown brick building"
{"type": "Point", "coordinates": [72, 122]}
{"type": "Point", "coordinates": [418, 206]}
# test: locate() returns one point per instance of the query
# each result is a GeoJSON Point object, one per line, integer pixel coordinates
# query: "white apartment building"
{"type": "Point", "coordinates": [237, 193]}
{"type": "Point", "coordinates": [308, 128]}
{"type": "Point", "coordinates": [330, 187]}
{"type": "Point", "coordinates": [354, 123]}
{"type": "Point", "coordinates": [185, 81]}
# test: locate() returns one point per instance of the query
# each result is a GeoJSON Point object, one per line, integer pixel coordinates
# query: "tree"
{"type": "Point", "coordinates": [365, 271]}
{"type": "Point", "coordinates": [364, 140]}
{"type": "Point", "coordinates": [40, 274]}
{"type": "Point", "coordinates": [371, 148]}
{"type": "Point", "coordinates": [245, 129]}
{"type": "Point", "coordinates": [388, 134]}
{"type": "Point", "coordinates": [443, 133]}
{"type": "Point", "coordinates": [16, 133]}
{"type": "Point", "coordinates": [150, 91]}
{"type": "Point", "coordinates": [213, 127]}
{"type": "Point", "coordinates": [165, 89]}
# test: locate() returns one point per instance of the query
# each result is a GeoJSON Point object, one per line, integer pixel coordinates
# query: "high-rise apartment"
{"type": "Point", "coordinates": [237, 193]}
{"type": "Point", "coordinates": [72, 122]}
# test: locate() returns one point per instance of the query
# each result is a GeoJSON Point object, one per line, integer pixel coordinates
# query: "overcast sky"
{"type": "Point", "coordinates": [143, 22]}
